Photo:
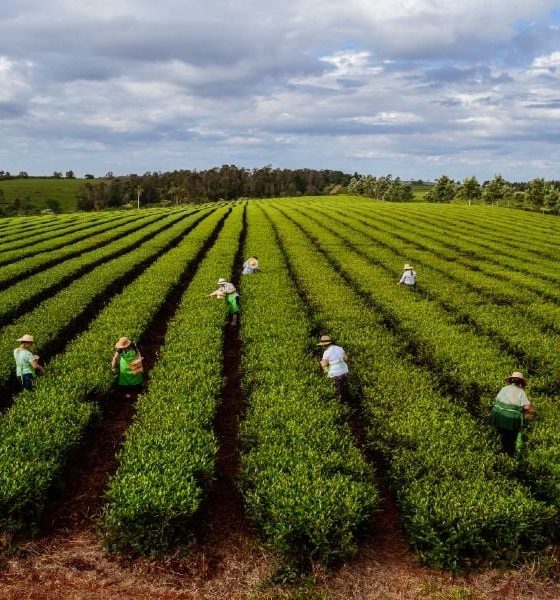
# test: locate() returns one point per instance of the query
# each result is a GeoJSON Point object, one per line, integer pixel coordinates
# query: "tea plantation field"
{"type": "Point", "coordinates": [425, 366]}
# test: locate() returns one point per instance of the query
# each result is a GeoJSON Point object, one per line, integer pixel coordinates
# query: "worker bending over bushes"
{"type": "Point", "coordinates": [510, 412]}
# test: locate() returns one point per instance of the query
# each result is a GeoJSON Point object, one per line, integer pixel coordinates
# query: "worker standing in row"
{"type": "Point", "coordinates": [250, 266]}
{"type": "Point", "coordinates": [334, 364]}
{"type": "Point", "coordinates": [27, 363]}
{"type": "Point", "coordinates": [228, 291]}
{"type": "Point", "coordinates": [127, 364]}
{"type": "Point", "coordinates": [510, 412]}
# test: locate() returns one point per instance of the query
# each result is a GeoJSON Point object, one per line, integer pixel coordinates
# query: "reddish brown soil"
{"type": "Point", "coordinates": [231, 563]}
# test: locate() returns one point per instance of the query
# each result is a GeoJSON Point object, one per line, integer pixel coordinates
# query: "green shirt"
{"type": "Point", "coordinates": [24, 358]}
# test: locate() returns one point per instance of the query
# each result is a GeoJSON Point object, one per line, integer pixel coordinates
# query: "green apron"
{"type": "Point", "coordinates": [231, 300]}
{"type": "Point", "coordinates": [126, 376]}
{"type": "Point", "coordinates": [507, 416]}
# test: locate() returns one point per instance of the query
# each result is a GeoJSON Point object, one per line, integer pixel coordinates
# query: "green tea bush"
{"type": "Point", "coordinates": [304, 482]}
{"type": "Point", "coordinates": [466, 362]}
{"type": "Point", "coordinates": [459, 499]}
{"type": "Point", "coordinates": [52, 316]}
{"type": "Point", "coordinates": [167, 461]}
{"type": "Point", "coordinates": [42, 428]}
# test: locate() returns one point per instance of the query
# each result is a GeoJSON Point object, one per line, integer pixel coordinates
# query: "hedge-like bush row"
{"type": "Point", "coordinates": [454, 356]}
{"type": "Point", "coordinates": [528, 331]}
{"type": "Point", "coordinates": [118, 241]}
{"type": "Point", "coordinates": [67, 229]}
{"type": "Point", "coordinates": [523, 279]}
{"type": "Point", "coordinates": [168, 457]}
{"type": "Point", "coordinates": [46, 258]}
{"type": "Point", "coordinates": [41, 429]}
{"type": "Point", "coordinates": [485, 225]}
{"type": "Point", "coordinates": [414, 242]}
{"type": "Point", "coordinates": [17, 251]}
{"type": "Point", "coordinates": [304, 482]}
{"type": "Point", "coordinates": [531, 302]}
{"type": "Point", "coordinates": [457, 493]}
{"type": "Point", "coordinates": [44, 225]}
{"type": "Point", "coordinates": [54, 315]}
{"type": "Point", "coordinates": [535, 350]}
{"type": "Point", "coordinates": [471, 365]}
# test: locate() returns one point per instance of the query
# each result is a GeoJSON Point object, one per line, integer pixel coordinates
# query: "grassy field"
{"type": "Point", "coordinates": [38, 191]}
{"type": "Point", "coordinates": [420, 191]}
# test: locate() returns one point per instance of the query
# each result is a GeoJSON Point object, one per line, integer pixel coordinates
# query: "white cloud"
{"type": "Point", "coordinates": [15, 79]}
{"type": "Point", "coordinates": [549, 61]}
{"type": "Point", "coordinates": [344, 84]}
{"type": "Point", "coordinates": [387, 117]}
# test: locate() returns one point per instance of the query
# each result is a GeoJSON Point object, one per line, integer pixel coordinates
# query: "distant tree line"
{"type": "Point", "coordinates": [383, 188]}
{"type": "Point", "coordinates": [5, 175]}
{"type": "Point", "coordinates": [221, 183]}
{"type": "Point", "coordinates": [536, 194]}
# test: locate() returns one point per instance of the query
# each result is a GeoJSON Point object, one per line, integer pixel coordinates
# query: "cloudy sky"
{"type": "Point", "coordinates": [415, 88]}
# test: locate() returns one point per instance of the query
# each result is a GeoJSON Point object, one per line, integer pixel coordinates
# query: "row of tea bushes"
{"type": "Point", "coordinates": [167, 460]}
{"type": "Point", "coordinates": [518, 329]}
{"type": "Point", "coordinates": [449, 261]}
{"type": "Point", "coordinates": [12, 228]}
{"type": "Point", "coordinates": [60, 243]}
{"type": "Point", "coordinates": [497, 276]}
{"type": "Point", "coordinates": [55, 315]}
{"type": "Point", "coordinates": [304, 482]}
{"type": "Point", "coordinates": [460, 357]}
{"type": "Point", "coordinates": [22, 266]}
{"type": "Point", "coordinates": [40, 431]}
{"type": "Point", "coordinates": [473, 366]}
{"type": "Point", "coordinates": [460, 502]}
{"type": "Point", "coordinates": [25, 293]}
{"type": "Point", "coordinates": [45, 239]}
{"type": "Point", "coordinates": [483, 233]}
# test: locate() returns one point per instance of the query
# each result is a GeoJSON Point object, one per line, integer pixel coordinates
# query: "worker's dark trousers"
{"type": "Point", "coordinates": [26, 381]}
{"type": "Point", "coordinates": [509, 438]}
{"type": "Point", "coordinates": [341, 386]}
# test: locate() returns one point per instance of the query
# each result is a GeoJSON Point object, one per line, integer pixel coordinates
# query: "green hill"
{"type": "Point", "coordinates": [40, 192]}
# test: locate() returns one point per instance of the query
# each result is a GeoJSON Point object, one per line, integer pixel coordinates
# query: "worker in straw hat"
{"type": "Point", "coordinates": [334, 365]}
{"type": "Point", "coordinates": [251, 265]}
{"type": "Point", "coordinates": [408, 277]}
{"type": "Point", "coordinates": [127, 365]}
{"type": "Point", "coordinates": [26, 362]}
{"type": "Point", "coordinates": [510, 412]}
{"type": "Point", "coordinates": [227, 290]}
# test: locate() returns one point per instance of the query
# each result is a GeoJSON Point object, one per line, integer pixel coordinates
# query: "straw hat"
{"type": "Point", "coordinates": [253, 262]}
{"type": "Point", "coordinates": [325, 340]}
{"type": "Point", "coordinates": [221, 281]}
{"type": "Point", "coordinates": [407, 266]}
{"type": "Point", "coordinates": [516, 375]}
{"type": "Point", "coordinates": [26, 338]}
{"type": "Point", "coordinates": [123, 342]}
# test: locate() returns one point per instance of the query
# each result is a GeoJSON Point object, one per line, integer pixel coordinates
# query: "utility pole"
{"type": "Point", "coordinates": [139, 191]}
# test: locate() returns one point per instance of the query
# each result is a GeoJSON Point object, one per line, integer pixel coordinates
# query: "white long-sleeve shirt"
{"type": "Point", "coordinates": [408, 277]}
